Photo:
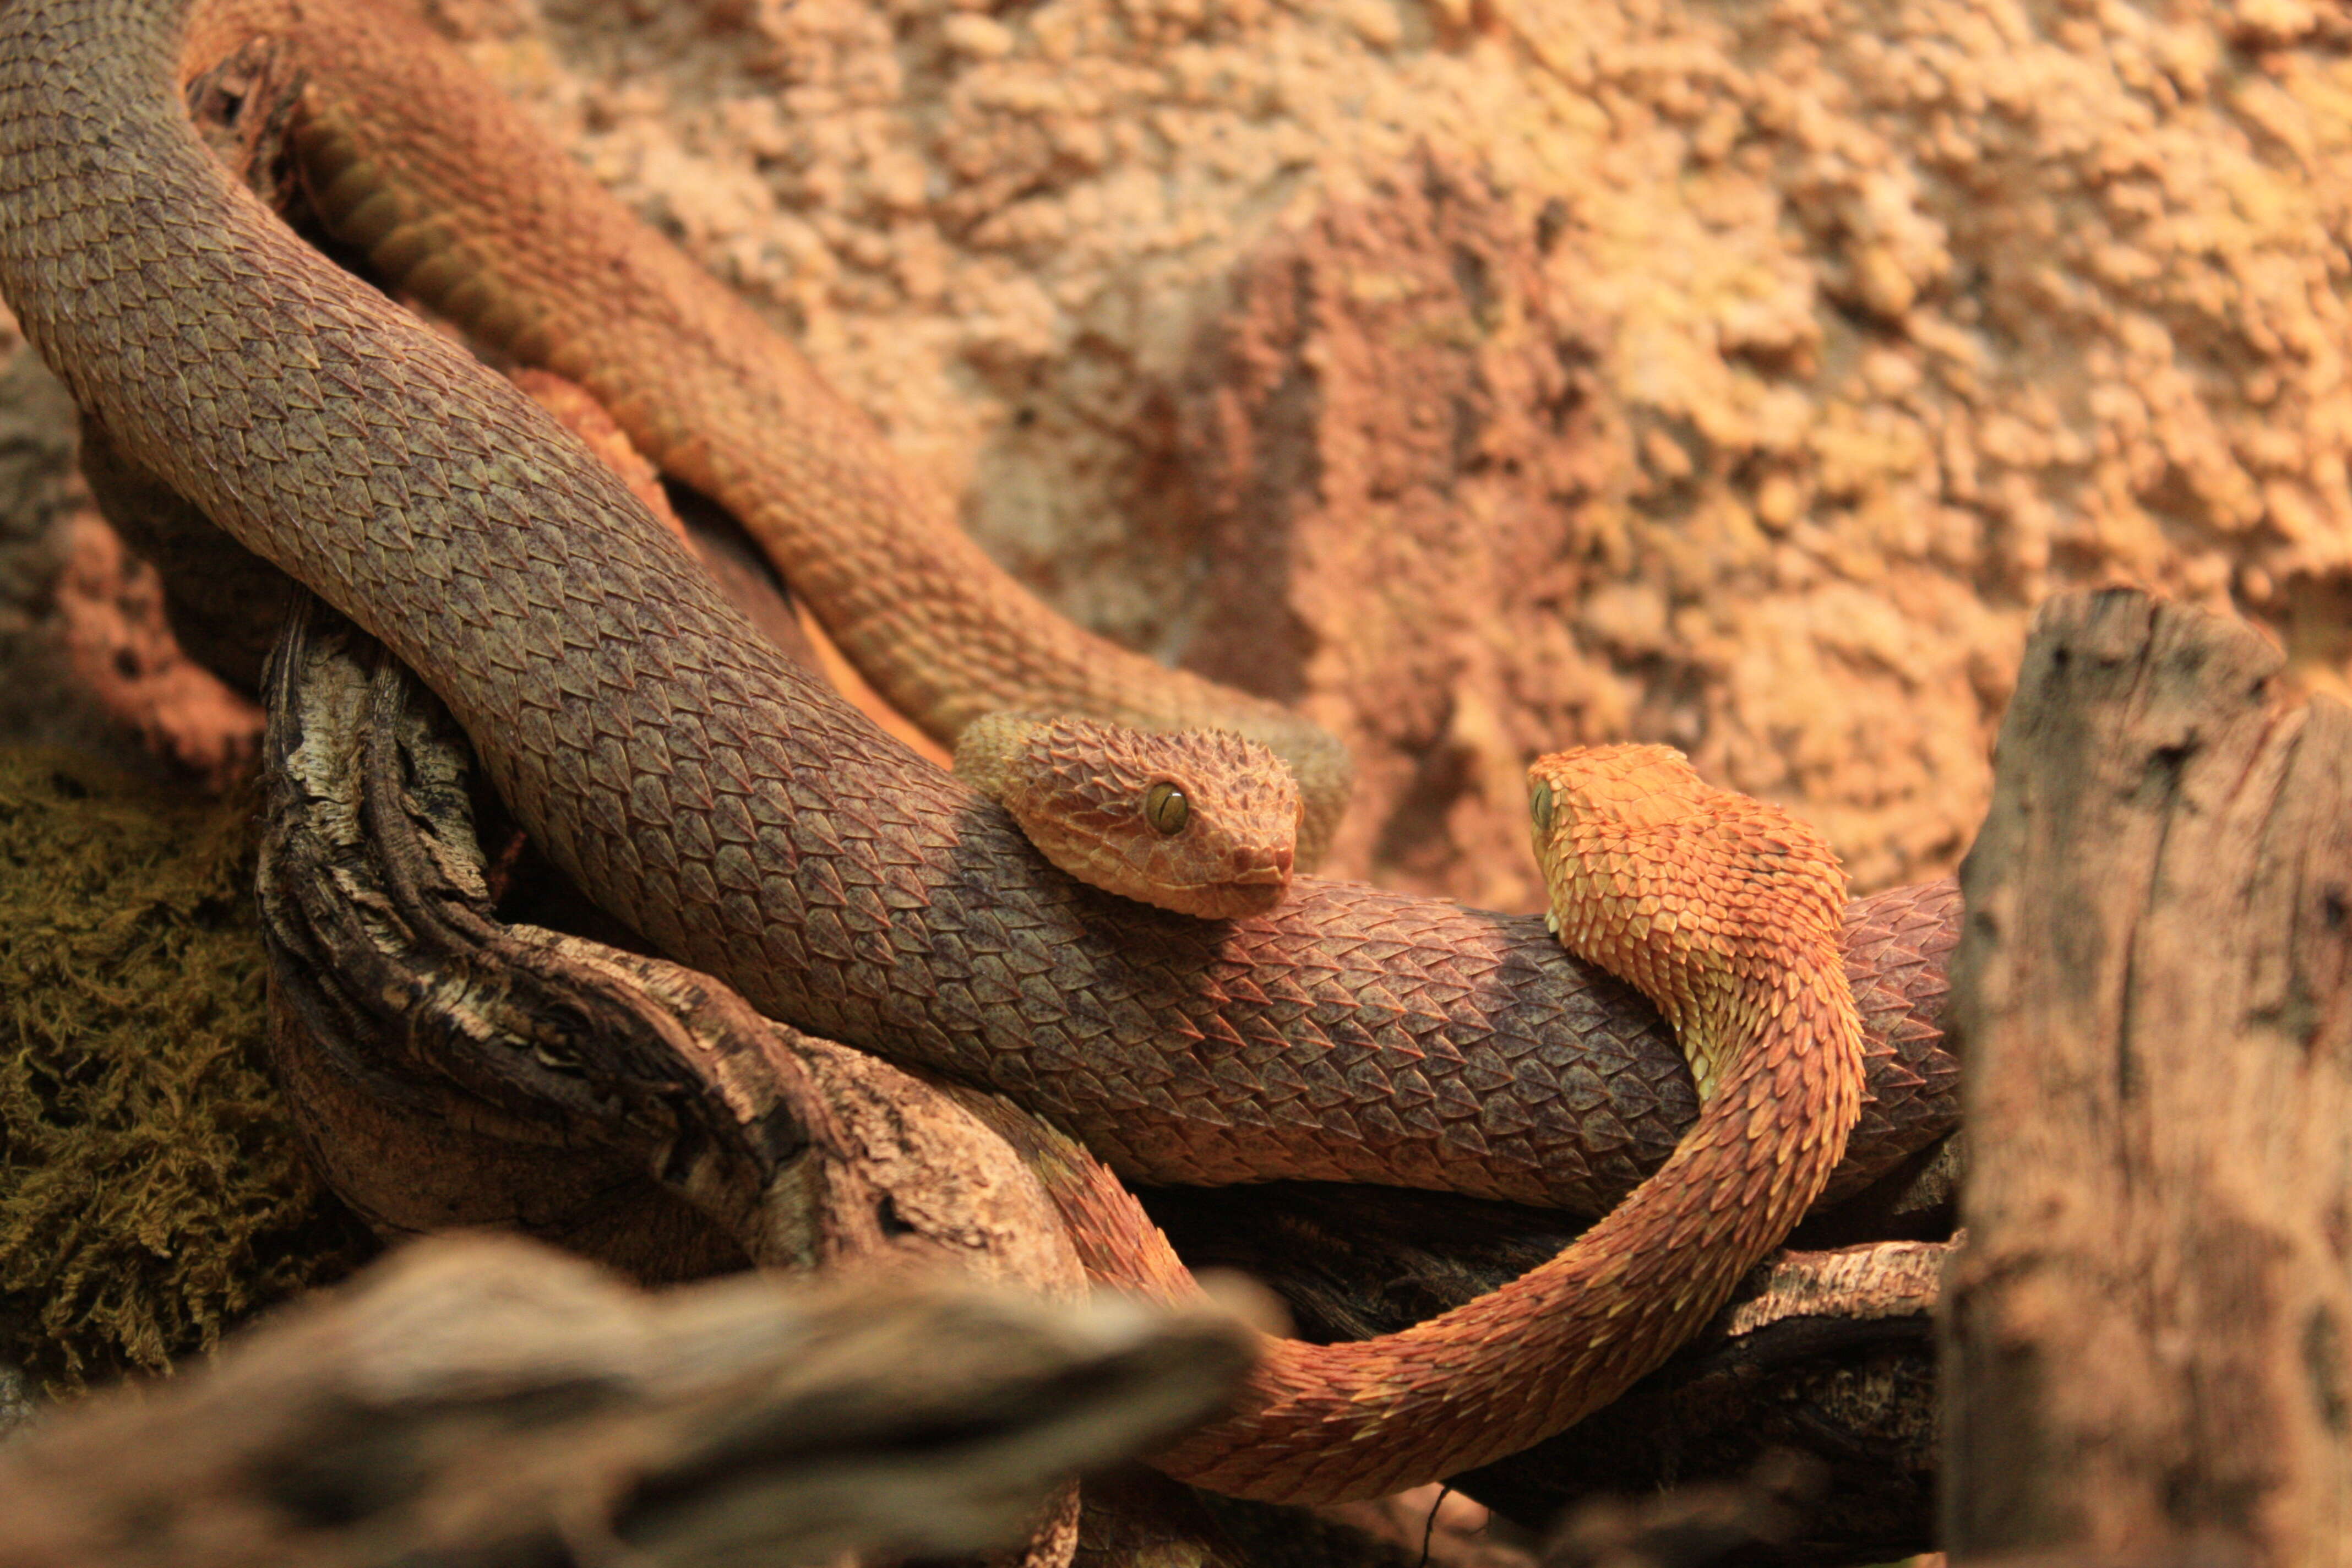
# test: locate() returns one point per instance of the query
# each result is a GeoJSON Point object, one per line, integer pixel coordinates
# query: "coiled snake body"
{"type": "Point", "coordinates": [1724, 911]}
{"type": "Point", "coordinates": [690, 777]}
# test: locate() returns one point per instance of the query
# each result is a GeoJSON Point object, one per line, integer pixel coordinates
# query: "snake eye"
{"type": "Point", "coordinates": [1540, 806]}
{"type": "Point", "coordinates": [1165, 807]}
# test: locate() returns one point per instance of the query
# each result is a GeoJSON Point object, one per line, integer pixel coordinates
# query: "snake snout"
{"type": "Point", "coordinates": [1260, 866]}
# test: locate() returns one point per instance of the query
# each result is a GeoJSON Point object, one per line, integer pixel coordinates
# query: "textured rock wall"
{"type": "Point", "coordinates": [1493, 374]}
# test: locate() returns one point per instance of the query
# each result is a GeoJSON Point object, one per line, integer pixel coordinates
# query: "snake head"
{"type": "Point", "coordinates": [1202, 822]}
{"type": "Point", "coordinates": [1683, 891]}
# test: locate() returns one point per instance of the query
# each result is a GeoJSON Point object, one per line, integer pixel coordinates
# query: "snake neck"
{"type": "Point", "coordinates": [1335, 1423]}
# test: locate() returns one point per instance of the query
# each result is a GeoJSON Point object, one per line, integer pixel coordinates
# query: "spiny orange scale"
{"type": "Point", "coordinates": [1630, 825]}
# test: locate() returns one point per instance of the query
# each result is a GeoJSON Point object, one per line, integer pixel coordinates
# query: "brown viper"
{"type": "Point", "coordinates": [1204, 822]}
{"type": "Point", "coordinates": [690, 777]}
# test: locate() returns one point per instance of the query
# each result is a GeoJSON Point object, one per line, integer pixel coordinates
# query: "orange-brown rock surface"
{"type": "Point", "coordinates": [1495, 375]}
{"type": "Point", "coordinates": [1491, 374]}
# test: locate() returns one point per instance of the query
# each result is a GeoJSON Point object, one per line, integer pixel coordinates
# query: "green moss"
{"type": "Point", "coordinates": [151, 1192]}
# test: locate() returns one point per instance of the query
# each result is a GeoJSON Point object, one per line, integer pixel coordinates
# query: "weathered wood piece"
{"type": "Point", "coordinates": [492, 1402]}
{"type": "Point", "coordinates": [2149, 1324]}
{"type": "Point", "coordinates": [1706, 1525]}
{"type": "Point", "coordinates": [451, 1068]}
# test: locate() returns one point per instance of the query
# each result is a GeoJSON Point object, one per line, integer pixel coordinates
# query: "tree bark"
{"type": "Point", "coordinates": [488, 1402]}
{"type": "Point", "coordinates": [2146, 1333]}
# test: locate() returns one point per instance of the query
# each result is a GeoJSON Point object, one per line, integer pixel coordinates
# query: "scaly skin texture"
{"type": "Point", "coordinates": [1204, 822]}
{"type": "Point", "coordinates": [415, 169]}
{"type": "Point", "coordinates": [690, 777]}
{"type": "Point", "coordinates": [1727, 912]}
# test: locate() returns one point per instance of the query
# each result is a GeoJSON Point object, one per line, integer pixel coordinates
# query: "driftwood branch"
{"type": "Point", "coordinates": [452, 1067]}
{"type": "Point", "coordinates": [491, 1402]}
{"type": "Point", "coordinates": [2148, 1331]}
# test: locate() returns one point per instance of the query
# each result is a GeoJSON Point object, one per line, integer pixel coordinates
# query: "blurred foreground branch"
{"type": "Point", "coordinates": [489, 1401]}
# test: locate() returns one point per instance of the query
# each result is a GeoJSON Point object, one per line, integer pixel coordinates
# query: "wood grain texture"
{"type": "Point", "coordinates": [2147, 1338]}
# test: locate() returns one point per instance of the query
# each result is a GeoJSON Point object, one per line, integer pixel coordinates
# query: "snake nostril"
{"type": "Point", "coordinates": [1263, 857]}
